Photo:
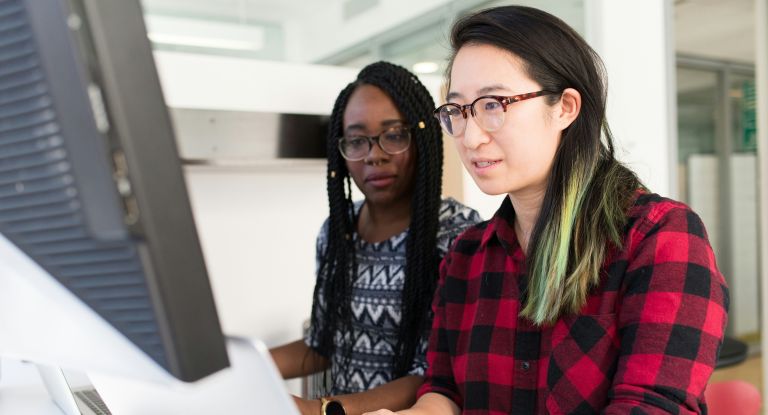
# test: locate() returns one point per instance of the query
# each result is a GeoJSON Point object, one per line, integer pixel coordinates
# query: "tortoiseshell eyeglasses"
{"type": "Point", "coordinates": [488, 111]}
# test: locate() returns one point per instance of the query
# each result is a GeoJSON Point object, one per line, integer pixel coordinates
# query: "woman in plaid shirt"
{"type": "Point", "coordinates": [585, 293]}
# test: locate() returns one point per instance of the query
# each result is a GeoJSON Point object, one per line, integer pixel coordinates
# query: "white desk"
{"type": "Point", "coordinates": [251, 385]}
{"type": "Point", "coordinates": [22, 391]}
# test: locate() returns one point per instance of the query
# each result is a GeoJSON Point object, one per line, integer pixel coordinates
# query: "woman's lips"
{"type": "Point", "coordinates": [484, 165]}
{"type": "Point", "coordinates": [380, 180]}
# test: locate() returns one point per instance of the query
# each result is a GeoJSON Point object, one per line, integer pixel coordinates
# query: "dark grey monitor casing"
{"type": "Point", "coordinates": [91, 187]}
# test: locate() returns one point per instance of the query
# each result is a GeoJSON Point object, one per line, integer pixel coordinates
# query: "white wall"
{"type": "Point", "coordinates": [703, 174]}
{"type": "Point", "coordinates": [225, 83]}
{"type": "Point", "coordinates": [745, 308]}
{"type": "Point", "coordinates": [257, 228]}
{"type": "Point", "coordinates": [635, 40]}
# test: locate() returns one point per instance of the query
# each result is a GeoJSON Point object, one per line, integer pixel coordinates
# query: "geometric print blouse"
{"type": "Point", "coordinates": [376, 304]}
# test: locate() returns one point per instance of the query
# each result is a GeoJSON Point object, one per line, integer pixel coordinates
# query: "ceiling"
{"type": "Point", "coordinates": [239, 10]}
{"type": "Point", "coordinates": [722, 30]}
{"type": "Point", "coordinates": [716, 29]}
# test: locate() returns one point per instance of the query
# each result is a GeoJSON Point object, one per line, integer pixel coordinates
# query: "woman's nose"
{"type": "Point", "coordinates": [474, 136]}
{"type": "Point", "coordinates": [375, 154]}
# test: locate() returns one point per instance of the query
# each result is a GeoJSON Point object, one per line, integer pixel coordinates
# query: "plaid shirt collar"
{"type": "Point", "coordinates": [501, 227]}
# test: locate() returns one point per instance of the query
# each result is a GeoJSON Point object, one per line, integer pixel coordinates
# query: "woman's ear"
{"type": "Point", "coordinates": [568, 108]}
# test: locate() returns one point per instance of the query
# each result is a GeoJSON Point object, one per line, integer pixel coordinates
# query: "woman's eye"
{"type": "Point", "coordinates": [394, 135]}
{"type": "Point", "coordinates": [453, 112]}
{"type": "Point", "coordinates": [356, 142]}
{"type": "Point", "coordinates": [492, 105]}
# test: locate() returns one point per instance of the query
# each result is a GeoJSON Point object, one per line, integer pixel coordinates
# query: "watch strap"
{"type": "Point", "coordinates": [331, 407]}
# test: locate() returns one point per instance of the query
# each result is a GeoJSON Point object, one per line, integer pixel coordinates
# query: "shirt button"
{"type": "Point", "coordinates": [526, 365]}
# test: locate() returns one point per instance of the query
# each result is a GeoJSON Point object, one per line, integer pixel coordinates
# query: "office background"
{"type": "Point", "coordinates": [687, 79]}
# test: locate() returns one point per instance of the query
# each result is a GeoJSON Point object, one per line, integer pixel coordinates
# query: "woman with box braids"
{"type": "Point", "coordinates": [378, 258]}
{"type": "Point", "coordinates": [421, 254]}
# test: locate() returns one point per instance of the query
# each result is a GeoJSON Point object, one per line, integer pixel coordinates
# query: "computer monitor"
{"type": "Point", "coordinates": [100, 264]}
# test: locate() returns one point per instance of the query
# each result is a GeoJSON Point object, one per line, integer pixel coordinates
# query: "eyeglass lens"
{"type": "Point", "coordinates": [488, 113]}
{"type": "Point", "coordinates": [392, 141]}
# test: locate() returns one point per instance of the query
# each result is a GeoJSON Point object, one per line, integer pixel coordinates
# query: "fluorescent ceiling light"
{"type": "Point", "coordinates": [425, 67]}
{"type": "Point", "coordinates": [202, 42]}
{"type": "Point", "coordinates": [204, 34]}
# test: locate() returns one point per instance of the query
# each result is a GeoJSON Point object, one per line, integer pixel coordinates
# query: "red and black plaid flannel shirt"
{"type": "Point", "coordinates": [646, 342]}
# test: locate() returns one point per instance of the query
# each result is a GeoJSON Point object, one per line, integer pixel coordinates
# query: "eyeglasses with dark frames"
{"type": "Point", "coordinates": [393, 140]}
{"type": "Point", "coordinates": [487, 110]}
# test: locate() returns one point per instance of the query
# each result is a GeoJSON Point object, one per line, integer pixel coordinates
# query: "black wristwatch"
{"type": "Point", "coordinates": [331, 407]}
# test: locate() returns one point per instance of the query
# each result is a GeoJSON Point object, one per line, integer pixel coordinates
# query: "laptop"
{"type": "Point", "coordinates": [71, 392]}
{"type": "Point", "coordinates": [90, 403]}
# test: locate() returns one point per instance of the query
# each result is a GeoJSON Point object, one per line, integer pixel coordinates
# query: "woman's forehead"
{"type": "Point", "coordinates": [482, 69]}
{"type": "Point", "coordinates": [370, 107]}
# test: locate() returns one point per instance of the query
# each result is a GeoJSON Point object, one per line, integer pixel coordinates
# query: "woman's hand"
{"type": "Point", "coordinates": [306, 406]}
{"type": "Point", "coordinates": [429, 404]}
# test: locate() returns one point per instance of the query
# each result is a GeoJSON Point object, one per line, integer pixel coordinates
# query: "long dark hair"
{"type": "Point", "coordinates": [588, 193]}
{"type": "Point", "coordinates": [338, 264]}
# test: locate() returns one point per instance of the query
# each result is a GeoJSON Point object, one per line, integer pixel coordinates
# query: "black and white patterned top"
{"type": "Point", "coordinates": [376, 302]}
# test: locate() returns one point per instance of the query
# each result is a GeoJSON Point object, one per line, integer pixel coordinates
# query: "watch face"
{"type": "Point", "coordinates": [335, 408]}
